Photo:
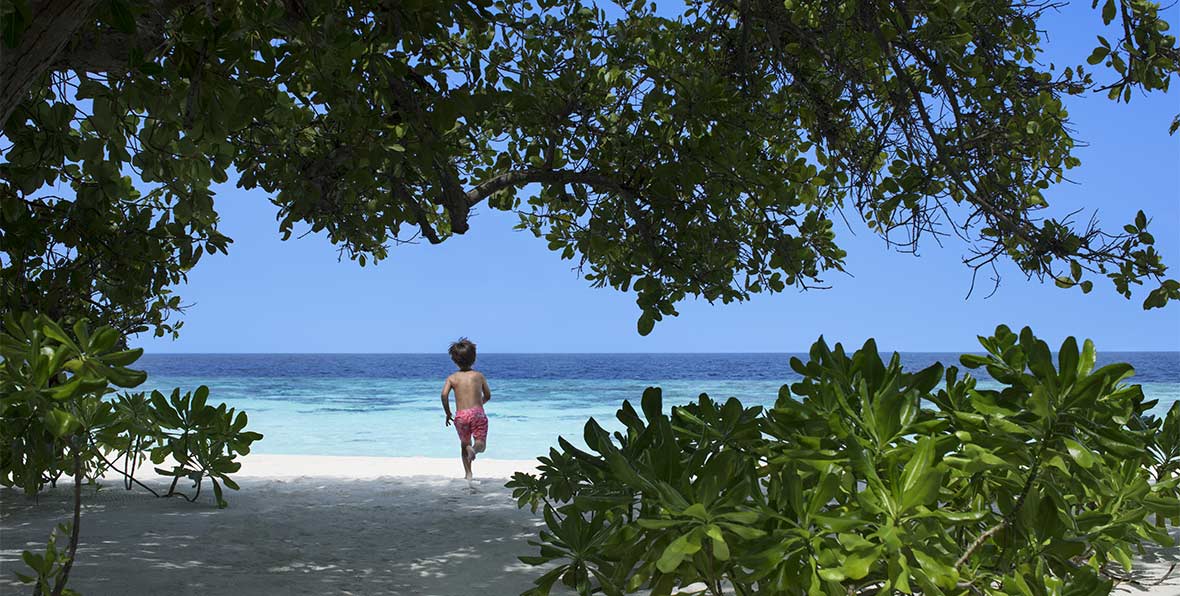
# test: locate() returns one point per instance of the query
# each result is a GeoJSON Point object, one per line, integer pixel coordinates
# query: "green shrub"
{"type": "Point", "coordinates": [57, 416]}
{"type": "Point", "coordinates": [867, 479]}
{"type": "Point", "coordinates": [202, 440]}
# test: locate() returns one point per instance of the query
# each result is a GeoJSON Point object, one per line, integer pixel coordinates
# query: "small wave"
{"type": "Point", "coordinates": [350, 410]}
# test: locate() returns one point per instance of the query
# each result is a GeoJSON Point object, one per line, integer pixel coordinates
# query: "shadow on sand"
{"type": "Point", "coordinates": [420, 535]}
{"type": "Point", "coordinates": [313, 535]}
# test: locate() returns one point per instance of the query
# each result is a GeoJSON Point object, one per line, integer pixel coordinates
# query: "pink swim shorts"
{"type": "Point", "coordinates": [471, 422]}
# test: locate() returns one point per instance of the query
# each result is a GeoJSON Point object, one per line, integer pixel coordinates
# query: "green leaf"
{"type": "Point", "coordinates": [1108, 11]}
{"type": "Point", "coordinates": [943, 574]}
{"type": "Point", "coordinates": [720, 548]}
{"type": "Point", "coordinates": [122, 358]}
{"type": "Point", "coordinates": [917, 477]}
{"type": "Point", "coordinates": [974, 360]}
{"type": "Point", "coordinates": [1068, 360]}
{"type": "Point", "coordinates": [76, 386]}
{"type": "Point", "coordinates": [675, 552]}
{"type": "Point", "coordinates": [68, 389]}
{"type": "Point", "coordinates": [54, 332]}
{"type": "Point", "coordinates": [102, 340]}
{"type": "Point", "coordinates": [34, 561]}
{"type": "Point", "coordinates": [1080, 453]}
{"type": "Point", "coordinates": [920, 462]}
{"type": "Point", "coordinates": [954, 516]}
{"type": "Point", "coordinates": [545, 582]}
{"type": "Point", "coordinates": [857, 564]}
{"type": "Point", "coordinates": [697, 511]}
{"type": "Point", "coordinates": [841, 523]}
{"type": "Point", "coordinates": [744, 532]}
{"type": "Point", "coordinates": [646, 324]}
{"type": "Point", "coordinates": [60, 422]}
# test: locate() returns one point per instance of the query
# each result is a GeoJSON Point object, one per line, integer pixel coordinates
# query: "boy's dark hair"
{"type": "Point", "coordinates": [463, 353]}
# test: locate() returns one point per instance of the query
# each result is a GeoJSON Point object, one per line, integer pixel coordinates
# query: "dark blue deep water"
{"type": "Point", "coordinates": [1149, 366]}
{"type": "Point", "coordinates": [388, 404]}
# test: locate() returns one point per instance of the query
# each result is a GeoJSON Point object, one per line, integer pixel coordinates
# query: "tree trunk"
{"type": "Point", "coordinates": [60, 585]}
{"type": "Point", "coordinates": [54, 24]}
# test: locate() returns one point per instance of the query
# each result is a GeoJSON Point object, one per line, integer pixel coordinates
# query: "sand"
{"type": "Point", "coordinates": [312, 525]}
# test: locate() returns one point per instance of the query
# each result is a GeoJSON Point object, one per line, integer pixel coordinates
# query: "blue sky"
{"type": "Point", "coordinates": [273, 296]}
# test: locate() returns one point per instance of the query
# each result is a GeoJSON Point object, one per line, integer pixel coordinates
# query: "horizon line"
{"type": "Point", "coordinates": [440, 353]}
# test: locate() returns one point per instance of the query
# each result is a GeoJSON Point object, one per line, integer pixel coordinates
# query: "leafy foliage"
{"type": "Point", "coordinates": [868, 479]}
{"type": "Point", "coordinates": [200, 440]}
{"type": "Point", "coordinates": [1164, 449]}
{"type": "Point", "coordinates": [703, 155]}
{"type": "Point", "coordinates": [54, 390]}
{"type": "Point", "coordinates": [56, 417]}
{"type": "Point", "coordinates": [48, 567]}
{"type": "Point", "coordinates": [50, 381]}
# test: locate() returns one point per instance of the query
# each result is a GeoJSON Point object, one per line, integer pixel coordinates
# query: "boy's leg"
{"type": "Point", "coordinates": [463, 447]}
{"type": "Point", "coordinates": [462, 426]}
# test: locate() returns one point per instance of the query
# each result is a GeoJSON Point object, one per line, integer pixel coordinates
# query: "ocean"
{"type": "Point", "coordinates": [388, 404]}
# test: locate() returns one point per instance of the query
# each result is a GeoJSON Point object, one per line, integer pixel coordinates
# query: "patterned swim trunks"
{"type": "Point", "coordinates": [471, 422]}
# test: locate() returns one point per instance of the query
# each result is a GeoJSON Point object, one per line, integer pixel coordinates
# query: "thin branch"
{"type": "Point", "coordinates": [522, 177]}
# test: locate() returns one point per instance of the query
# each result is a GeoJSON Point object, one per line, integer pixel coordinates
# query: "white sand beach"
{"type": "Point", "coordinates": [300, 525]}
{"type": "Point", "coordinates": [312, 525]}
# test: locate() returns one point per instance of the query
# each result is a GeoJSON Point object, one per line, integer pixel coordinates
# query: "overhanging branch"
{"type": "Point", "coordinates": [54, 24]}
{"type": "Point", "coordinates": [506, 180]}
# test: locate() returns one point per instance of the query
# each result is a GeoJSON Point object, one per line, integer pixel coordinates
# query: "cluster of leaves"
{"type": "Point", "coordinates": [49, 566]}
{"type": "Point", "coordinates": [55, 388]}
{"type": "Point", "coordinates": [700, 155]}
{"type": "Point", "coordinates": [57, 417]}
{"type": "Point", "coordinates": [867, 479]}
{"type": "Point", "coordinates": [198, 440]}
{"type": "Point", "coordinates": [49, 384]}
{"type": "Point", "coordinates": [1164, 449]}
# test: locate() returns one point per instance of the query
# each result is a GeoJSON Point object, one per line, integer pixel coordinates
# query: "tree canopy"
{"type": "Point", "coordinates": [702, 155]}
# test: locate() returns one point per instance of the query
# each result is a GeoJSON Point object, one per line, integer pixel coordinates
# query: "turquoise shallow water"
{"type": "Point", "coordinates": [388, 405]}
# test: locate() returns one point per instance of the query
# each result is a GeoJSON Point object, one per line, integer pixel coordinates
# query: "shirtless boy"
{"type": "Point", "coordinates": [471, 393]}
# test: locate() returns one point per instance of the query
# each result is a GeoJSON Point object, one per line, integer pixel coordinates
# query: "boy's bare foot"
{"type": "Point", "coordinates": [470, 455]}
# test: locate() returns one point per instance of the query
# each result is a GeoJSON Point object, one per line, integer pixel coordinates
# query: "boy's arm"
{"type": "Point", "coordinates": [487, 393]}
{"type": "Point", "coordinates": [446, 393]}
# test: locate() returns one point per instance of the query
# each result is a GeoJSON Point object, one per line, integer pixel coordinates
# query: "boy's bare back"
{"type": "Point", "coordinates": [470, 387]}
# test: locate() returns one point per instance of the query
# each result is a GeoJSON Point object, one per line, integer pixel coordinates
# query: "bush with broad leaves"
{"type": "Point", "coordinates": [865, 478]}
{"type": "Point", "coordinates": [59, 415]}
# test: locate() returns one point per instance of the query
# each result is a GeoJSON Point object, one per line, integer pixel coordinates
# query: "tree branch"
{"type": "Point", "coordinates": [108, 50]}
{"type": "Point", "coordinates": [521, 177]}
{"type": "Point", "coordinates": [60, 584]}
{"type": "Point", "coordinates": [54, 24]}
{"type": "Point", "coordinates": [1015, 227]}
{"type": "Point", "coordinates": [1028, 483]}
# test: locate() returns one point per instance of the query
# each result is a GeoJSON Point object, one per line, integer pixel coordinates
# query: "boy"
{"type": "Point", "coordinates": [471, 393]}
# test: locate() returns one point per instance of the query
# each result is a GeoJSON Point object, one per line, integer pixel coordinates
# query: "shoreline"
{"type": "Point", "coordinates": [309, 524]}
{"type": "Point", "coordinates": [366, 467]}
